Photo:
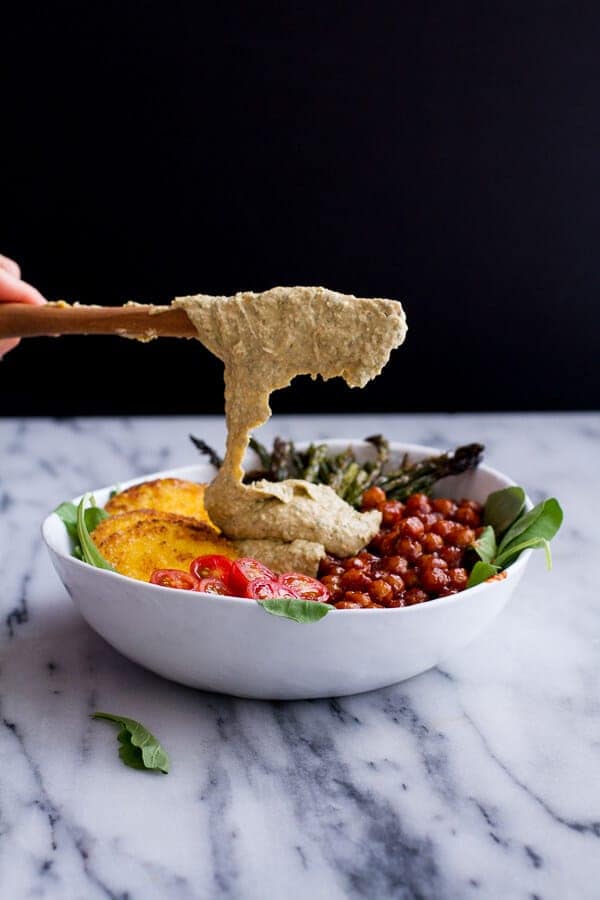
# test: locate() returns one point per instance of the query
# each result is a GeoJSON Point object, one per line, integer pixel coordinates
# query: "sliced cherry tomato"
{"type": "Point", "coordinates": [305, 587]}
{"type": "Point", "coordinates": [174, 578]}
{"type": "Point", "coordinates": [245, 570]}
{"type": "Point", "coordinates": [266, 589]}
{"type": "Point", "coordinates": [213, 586]}
{"type": "Point", "coordinates": [214, 566]}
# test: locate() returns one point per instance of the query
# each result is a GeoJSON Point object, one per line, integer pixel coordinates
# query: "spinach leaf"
{"type": "Point", "coordinates": [485, 545]}
{"type": "Point", "coordinates": [89, 551]}
{"type": "Point", "coordinates": [502, 508]}
{"type": "Point", "coordinates": [543, 521]}
{"type": "Point", "coordinates": [481, 571]}
{"type": "Point", "coordinates": [139, 748]}
{"type": "Point", "coordinates": [527, 531]}
{"type": "Point", "coordinates": [67, 512]}
{"type": "Point", "coordinates": [511, 553]}
{"type": "Point", "coordinates": [302, 611]}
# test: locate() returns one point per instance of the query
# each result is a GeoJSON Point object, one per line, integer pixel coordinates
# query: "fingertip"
{"type": "Point", "coordinates": [10, 266]}
{"type": "Point", "coordinates": [13, 290]}
{"type": "Point", "coordinates": [5, 346]}
{"type": "Point", "coordinates": [32, 295]}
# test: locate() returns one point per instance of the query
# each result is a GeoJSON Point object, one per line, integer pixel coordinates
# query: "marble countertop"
{"type": "Point", "coordinates": [480, 779]}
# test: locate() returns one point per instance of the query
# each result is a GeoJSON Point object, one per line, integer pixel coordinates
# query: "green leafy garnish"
{"type": "Point", "coordinates": [510, 530]}
{"type": "Point", "coordinates": [502, 508]}
{"type": "Point", "coordinates": [302, 611]}
{"type": "Point", "coordinates": [485, 545]}
{"type": "Point", "coordinates": [139, 748]}
{"type": "Point", "coordinates": [481, 571]}
{"type": "Point", "coordinates": [79, 522]}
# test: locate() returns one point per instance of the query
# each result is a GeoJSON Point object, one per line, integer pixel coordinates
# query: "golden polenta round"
{"type": "Point", "coordinates": [139, 541]}
{"type": "Point", "coordinates": [173, 495]}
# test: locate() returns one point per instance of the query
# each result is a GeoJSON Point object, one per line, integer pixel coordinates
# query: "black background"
{"type": "Point", "coordinates": [445, 154]}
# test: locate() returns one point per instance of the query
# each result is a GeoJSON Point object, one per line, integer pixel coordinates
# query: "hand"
{"type": "Point", "coordinates": [13, 290]}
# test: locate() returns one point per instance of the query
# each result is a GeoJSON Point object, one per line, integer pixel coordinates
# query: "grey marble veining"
{"type": "Point", "coordinates": [479, 779]}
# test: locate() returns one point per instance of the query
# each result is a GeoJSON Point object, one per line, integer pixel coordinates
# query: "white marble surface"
{"type": "Point", "coordinates": [478, 780]}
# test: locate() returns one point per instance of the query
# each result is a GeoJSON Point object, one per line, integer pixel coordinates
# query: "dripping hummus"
{"type": "Point", "coordinates": [264, 341]}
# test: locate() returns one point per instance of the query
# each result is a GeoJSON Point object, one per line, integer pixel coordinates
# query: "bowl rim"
{"type": "Point", "coordinates": [179, 472]}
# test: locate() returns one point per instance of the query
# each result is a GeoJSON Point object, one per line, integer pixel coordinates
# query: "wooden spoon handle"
{"type": "Point", "coordinates": [142, 321]}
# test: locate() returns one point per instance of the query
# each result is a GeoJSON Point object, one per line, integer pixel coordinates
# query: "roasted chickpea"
{"type": "Point", "coordinates": [358, 597]}
{"type": "Point", "coordinates": [428, 519]}
{"type": "Point", "coordinates": [418, 503]}
{"type": "Point", "coordinates": [354, 562]}
{"type": "Point", "coordinates": [409, 548]}
{"type": "Point", "coordinates": [458, 578]}
{"type": "Point", "coordinates": [432, 542]}
{"type": "Point", "coordinates": [347, 604]}
{"type": "Point", "coordinates": [332, 582]}
{"type": "Point", "coordinates": [433, 580]}
{"type": "Point", "coordinates": [468, 516]}
{"type": "Point", "coordinates": [414, 595]}
{"type": "Point", "coordinates": [355, 580]}
{"type": "Point", "coordinates": [395, 564]}
{"type": "Point", "coordinates": [396, 582]}
{"type": "Point", "coordinates": [444, 528]}
{"type": "Point", "coordinates": [411, 527]}
{"type": "Point", "coordinates": [391, 513]}
{"type": "Point", "coordinates": [432, 561]}
{"type": "Point", "coordinates": [373, 498]}
{"type": "Point", "coordinates": [452, 555]}
{"type": "Point", "coordinates": [380, 592]}
{"type": "Point", "coordinates": [444, 506]}
{"type": "Point", "coordinates": [461, 536]}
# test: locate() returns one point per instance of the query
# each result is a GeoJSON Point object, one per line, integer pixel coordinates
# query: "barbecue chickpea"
{"type": "Point", "coordinates": [462, 536]}
{"type": "Point", "coordinates": [398, 565]}
{"type": "Point", "coordinates": [355, 580]}
{"type": "Point", "coordinates": [347, 604]}
{"type": "Point", "coordinates": [444, 506]}
{"type": "Point", "coordinates": [415, 595]}
{"type": "Point", "coordinates": [391, 511]}
{"type": "Point", "coordinates": [444, 528]}
{"type": "Point", "coordinates": [466, 515]}
{"type": "Point", "coordinates": [418, 503]}
{"type": "Point", "coordinates": [432, 542]}
{"type": "Point", "coordinates": [373, 498]}
{"type": "Point", "coordinates": [381, 592]}
{"type": "Point", "coordinates": [359, 597]}
{"type": "Point", "coordinates": [412, 528]}
{"type": "Point", "coordinates": [434, 579]}
{"type": "Point", "coordinates": [410, 549]}
{"type": "Point", "coordinates": [396, 582]}
{"type": "Point", "coordinates": [453, 555]}
{"type": "Point", "coordinates": [458, 578]}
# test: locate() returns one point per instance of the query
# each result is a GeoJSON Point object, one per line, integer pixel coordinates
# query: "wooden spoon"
{"type": "Point", "coordinates": [52, 319]}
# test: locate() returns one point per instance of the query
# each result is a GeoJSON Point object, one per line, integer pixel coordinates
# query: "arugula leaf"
{"type": "Point", "coordinates": [139, 748]}
{"type": "Point", "coordinates": [89, 551]}
{"type": "Point", "coordinates": [502, 508]}
{"type": "Point", "coordinates": [302, 611]}
{"type": "Point", "coordinates": [485, 545]}
{"type": "Point", "coordinates": [67, 512]}
{"type": "Point", "coordinates": [481, 571]}
{"type": "Point", "coordinates": [543, 521]}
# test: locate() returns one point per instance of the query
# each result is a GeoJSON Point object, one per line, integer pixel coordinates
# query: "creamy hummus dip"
{"type": "Point", "coordinates": [265, 340]}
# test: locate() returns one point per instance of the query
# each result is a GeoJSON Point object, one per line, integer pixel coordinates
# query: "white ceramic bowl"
{"type": "Point", "coordinates": [233, 646]}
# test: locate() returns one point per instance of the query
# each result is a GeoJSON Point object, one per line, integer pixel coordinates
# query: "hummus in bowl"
{"type": "Point", "coordinates": [231, 645]}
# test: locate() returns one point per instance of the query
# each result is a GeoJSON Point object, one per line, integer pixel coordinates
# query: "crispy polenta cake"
{"type": "Point", "coordinates": [141, 540]}
{"type": "Point", "coordinates": [172, 495]}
